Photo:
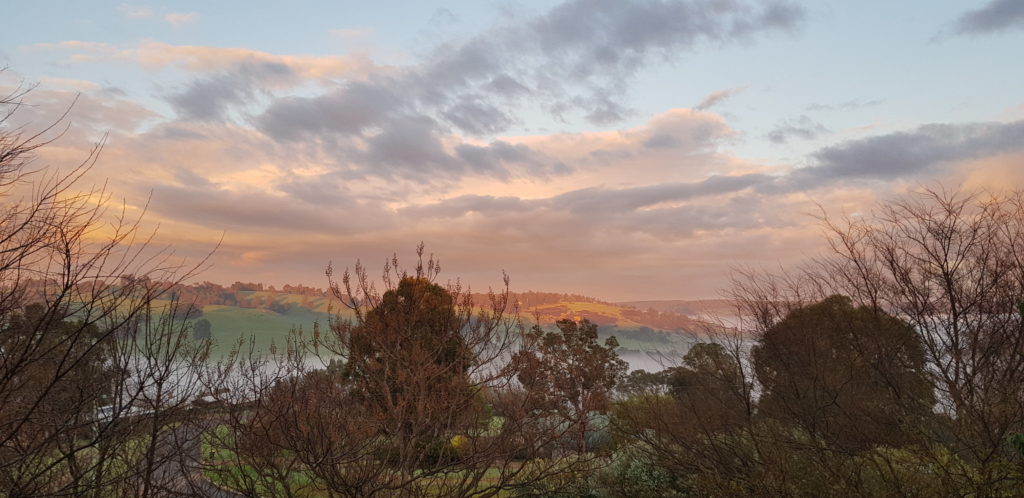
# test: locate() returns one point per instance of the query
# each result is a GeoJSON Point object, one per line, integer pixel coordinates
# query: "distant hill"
{"type": "Point", "coordinates": [266, 315]}
{"type": "Point", "coordinates": [550, 307]}
{"type": "Point", "coordinates": [691, 308]}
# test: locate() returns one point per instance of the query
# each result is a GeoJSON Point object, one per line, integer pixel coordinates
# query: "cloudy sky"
{"type": "Point", "coordinates": [627, 149]}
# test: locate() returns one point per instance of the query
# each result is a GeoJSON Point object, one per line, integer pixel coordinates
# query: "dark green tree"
{"type": "Point", "coordinates": [642, 382]}
{"type": "Point", "coordinates": [710, 384]}
{"type": "Point", "coordinates": [853, 376]}
{"type": "Point", "coordinates": [33, 401]}
{"type": "Point", "coordinates": [202, 329]}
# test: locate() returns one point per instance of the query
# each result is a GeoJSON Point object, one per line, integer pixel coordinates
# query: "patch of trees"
{"type": "Point", "coordinates": [424, 394]}
{"type": "Point", "coordinates": [531, 299]}
{"type": "Point", "coordinates": [892, 367]}
{"type": "Point", "coordinates": [662, 319]}
{"type": "Point", "coordinates": [237, 294]}
{"type": "Point", "coordinates": [641, 334]}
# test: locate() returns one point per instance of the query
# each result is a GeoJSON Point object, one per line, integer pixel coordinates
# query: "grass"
{"type": "Point", "coordinates": [229, 323]}
{"type": "Point", "coordinates": [265, 327]}
{"type": "Point", "coordinates": [229, 471]}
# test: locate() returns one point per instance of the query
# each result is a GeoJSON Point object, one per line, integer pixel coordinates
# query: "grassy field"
{"type": "Point", "coordinates": [264, 326]}
{"type": "Point", "coordinates": [228, 324]}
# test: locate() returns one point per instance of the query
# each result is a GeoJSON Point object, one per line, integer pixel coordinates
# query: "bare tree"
{"type": "Point", "coordinates": [952, 265]}
{"type": "Point", "coordinates": [87, 350]}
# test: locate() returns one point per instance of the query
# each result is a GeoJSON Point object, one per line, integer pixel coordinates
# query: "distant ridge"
{"type": "Point", "coordinates": [267, 313]}
{"type": "Point", "coordinates": [690, 307]}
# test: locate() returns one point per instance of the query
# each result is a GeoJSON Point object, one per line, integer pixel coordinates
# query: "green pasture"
{"type": "Point", "coordinates": [265, 326]}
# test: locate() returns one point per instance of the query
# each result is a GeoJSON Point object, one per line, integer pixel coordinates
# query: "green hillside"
{"type": "Point", "coordinates": [267, 317]}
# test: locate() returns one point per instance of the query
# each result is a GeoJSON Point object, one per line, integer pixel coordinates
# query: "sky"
{"type": "Point", "coordinates": [624, 149]}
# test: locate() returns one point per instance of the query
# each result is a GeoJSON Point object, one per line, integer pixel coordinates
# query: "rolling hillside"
{"type": "Point", "coordinates": [266, 316]}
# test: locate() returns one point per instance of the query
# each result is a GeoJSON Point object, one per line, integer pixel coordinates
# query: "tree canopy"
{"type": "Point", "coordinates": [851, 374]}
{"type": "Point", "coordinates": [572, 370]}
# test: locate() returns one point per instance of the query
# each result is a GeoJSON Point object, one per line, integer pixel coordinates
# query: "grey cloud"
{"type": "Point", "coordinates": [689, 133]}
{"type": "Point", "coordinates": [684, 215]}
{"type": "Point", "coordinates": [325, 190]}
{"type": "Point", "coordinates": [743, 212]}
{"type": "Point", "coordinates": [604, 42]}
{"type": "Point", "coordinates": [207, 204]}
{"type": "Point", "coordinates": [191, 179]}
{"type": "Point", "coordinates": [683, 133]}
{"type": "Point", "coordinates": [593, 201]}
{"type": "Point", "coordinates": [885, 157]}
{"type": "Point", "coordinates": [597, 36]}
{"type": "Point", "coordinates": [717, 203]}
{"type": "Point", "coordinates": [413, 148]}
{"type": "Point", "coordinates": [348, 110]}
{"type": "Point", "coordinates": [716, 98]}
{"type": "Point", "coordinates": [611, 155]}
{"type": "Point", "coordinates": [997, 15]}
{"type": "Point", "coordinates": [477, 117]}
{"type": "Point", "coordinates": [412, 145]}
{"type": "Point", "coordinates": [662, 141]}
{"type": "Point", "coordinates": [577, 57]}
{"type": "Point", "coordinates": [174, 132]}
{"type": "Point", "coordinates": [598, 200]}
{"type": "Point", "coordinates": [209, 98]}
{"type": "Point", "coordinates": [500, 157]}
{"type": "Point", "coordinates": [113, 91]}
{"type": "Point", "coordinates": [507, 86]}
{"type": "Point", "coordinates": [604, 110]}
{"type": "Point", "coordinates": [905, 154]}
{"type": "Point", "coordinates": [803, 128]}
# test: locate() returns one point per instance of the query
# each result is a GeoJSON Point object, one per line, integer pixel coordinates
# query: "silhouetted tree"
{"type": "Point", "coordinates": [411, 343]}
{"type": "Point", "coordinates": [854, 376]}
{"type": "Point", "coordinates": [202, 329]}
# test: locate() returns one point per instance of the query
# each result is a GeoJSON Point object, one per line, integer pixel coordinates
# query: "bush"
{"type": "Point", "coordinates": [633, 474]}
